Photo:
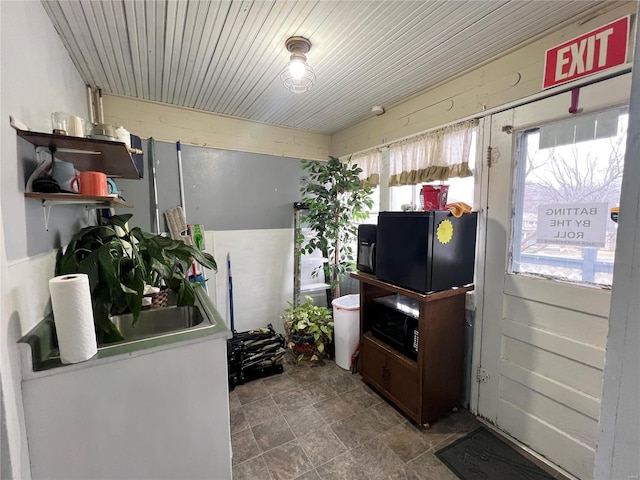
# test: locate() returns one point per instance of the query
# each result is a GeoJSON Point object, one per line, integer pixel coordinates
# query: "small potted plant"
{"type": "Point", "coordinates": [121, 263]}
{"type": "Point", "coordinates": [309, 328]}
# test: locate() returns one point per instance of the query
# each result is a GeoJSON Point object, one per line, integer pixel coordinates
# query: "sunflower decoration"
{"type": "Point", "coordinates": [444, 232]}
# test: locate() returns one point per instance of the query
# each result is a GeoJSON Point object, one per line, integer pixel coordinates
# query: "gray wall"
{"type": "Point", "coordinates": [224, 190]}
{"type": "Point", "coordinates": [64, 220]}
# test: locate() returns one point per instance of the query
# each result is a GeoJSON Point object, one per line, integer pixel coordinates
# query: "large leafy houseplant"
{"type": "Point", "coordinates": [119, 263]}
{"type": "Point", "coordinates": [336, 200]}
{"type": "Point", "coordinates": [309, 328]}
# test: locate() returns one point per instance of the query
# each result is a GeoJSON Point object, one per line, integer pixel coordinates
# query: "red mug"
{"type": "Point", "coordinates": [90, 183]}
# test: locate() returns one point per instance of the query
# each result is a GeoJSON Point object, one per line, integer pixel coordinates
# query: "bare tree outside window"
{"type": "Point", "coordinates": [582, 172]}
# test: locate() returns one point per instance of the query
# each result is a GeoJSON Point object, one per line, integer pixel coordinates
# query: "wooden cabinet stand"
{"type": "Point", "coordinates": [431, 386]}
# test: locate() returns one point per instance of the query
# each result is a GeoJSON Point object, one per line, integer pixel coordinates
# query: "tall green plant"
{"type": "Point", "coordinates": [337, 201]}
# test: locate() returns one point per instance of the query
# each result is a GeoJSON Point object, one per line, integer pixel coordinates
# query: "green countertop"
{"type": "Point", "coordinates": [44, 346]}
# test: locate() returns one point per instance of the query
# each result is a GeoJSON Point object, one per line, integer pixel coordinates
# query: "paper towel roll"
{"type": "Point", "coordinates": [73, 316]}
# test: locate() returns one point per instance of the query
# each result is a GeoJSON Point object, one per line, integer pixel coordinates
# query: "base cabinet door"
{"type": "Point", "coordinates": [393, 375]}
{"type": "Point", "coordinates": [373, 363]}
{"type": "Point", "coordinates": [403, 385]}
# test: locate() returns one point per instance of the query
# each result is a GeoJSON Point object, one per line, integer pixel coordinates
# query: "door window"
{"type": "Point", "coordinates": [567, 174]}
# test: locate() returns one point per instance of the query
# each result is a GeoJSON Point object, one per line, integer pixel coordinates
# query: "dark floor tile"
{"type": "Point", "coordinates": [321, 445]}
{"type": "Point", "coordinates": [238, 420]}
{"type": "Point", "coordinates": [328, 370]}
{"type": "Point", "coordinates": [462, 421]}
{"type": "Point", "coordinates": [261, 411]}
{"type": "Point", "coordinates": [361, 398]}
{"type": "Point", "coordinates": [279, 384]}
{"type": "Point", "coordinates": [380, 463]}
{"type": "Point", "coordinates": [383, 416]}
{"type": "Point", "coordinates": [448, 423]}
{"type": "Point", "coordinates": [305, 376]}
{"type": "Point", "coordinates": [251, 391]}
{"type": "Point", "coordinates": [312, 475]}
{"type": "Point", "coordinates": [441, 440]}
{"type": "Point", "coordinates": [407, 442]}
{"type": "Point", "coordinates": [343, 467]}
{"type": "Point", "coordinates": [254, 469]}
{"type": "Point", "coordinates": [333, 409]}
{"type": "Point", "coordinates": [354, 430]}
{"type": "Point", "coordinates": [244, 446]}
{"type": "Point", "coordinates": [272, 434]}
{"type": "Point", "coordinates": [304, 420]}
{"type": "Point", "coordinates": [428, 467]}
{"type": "Point", "coordinates": [321, 391]}
{"type": "Point", "coordinates": [343, 383]}
{"type": "Point", "coordinates": [233, 400]}
{"type": "Point", "coordinates": [292, 400]}
{"type": "Point", "coordinates": [287, 461]}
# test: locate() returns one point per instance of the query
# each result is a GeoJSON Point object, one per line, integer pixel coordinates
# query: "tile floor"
{"type": "Point", "coordinates": [323, 423]}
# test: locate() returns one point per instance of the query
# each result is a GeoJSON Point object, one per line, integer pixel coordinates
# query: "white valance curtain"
{"type": "Point", "coordinates": [369, 161]}
{"type": "Point", "coordinates": [432, 156]}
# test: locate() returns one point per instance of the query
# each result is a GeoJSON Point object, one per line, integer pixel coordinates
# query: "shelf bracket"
{"type": "Point", "coordinates": [47, 205]}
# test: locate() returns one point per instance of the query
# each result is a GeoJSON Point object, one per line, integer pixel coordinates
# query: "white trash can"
{"type": "Point", "coordinates": [346, 328]}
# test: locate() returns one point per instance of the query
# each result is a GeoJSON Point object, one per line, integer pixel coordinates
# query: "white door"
{"type": "Point", "coordinates": [543, 317]}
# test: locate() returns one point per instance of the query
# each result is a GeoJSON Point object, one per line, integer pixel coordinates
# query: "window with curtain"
{"type": "Point", "coordinates": [436, 155]}
{"type": "Point", "coordinates": [369, 162]}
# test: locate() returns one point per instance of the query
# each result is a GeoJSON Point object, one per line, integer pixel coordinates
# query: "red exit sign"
{"type": "Point", "coordinates": [600, 49]}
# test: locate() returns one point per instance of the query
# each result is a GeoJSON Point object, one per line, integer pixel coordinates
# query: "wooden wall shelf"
{"type": "Point", "coordinates": [110, 157]}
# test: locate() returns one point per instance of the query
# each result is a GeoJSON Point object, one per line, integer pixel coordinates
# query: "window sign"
{"type": "Point", "coordinates": [582, 224]}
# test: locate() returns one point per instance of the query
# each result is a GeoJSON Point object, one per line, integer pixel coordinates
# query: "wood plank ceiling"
{"type": "Point", "coordinates": [226, 56]}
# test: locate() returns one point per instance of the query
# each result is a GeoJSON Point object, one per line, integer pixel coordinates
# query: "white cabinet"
{"type": "Point", "coordinates": [161, 413]}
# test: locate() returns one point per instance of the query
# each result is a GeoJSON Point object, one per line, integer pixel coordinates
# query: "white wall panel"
{"type": "Point", "coordinates": [262, 275]}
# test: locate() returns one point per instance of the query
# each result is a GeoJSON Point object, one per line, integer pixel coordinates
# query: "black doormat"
{"type": "Point", "coordinates": [482, 456]}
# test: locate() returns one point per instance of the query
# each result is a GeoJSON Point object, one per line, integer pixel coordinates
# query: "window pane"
{"type": "Point", "coordinates": [579, 173]}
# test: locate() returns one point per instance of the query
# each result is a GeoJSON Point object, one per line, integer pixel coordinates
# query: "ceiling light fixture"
{"type": "Point", "coordinates": [298, 76]}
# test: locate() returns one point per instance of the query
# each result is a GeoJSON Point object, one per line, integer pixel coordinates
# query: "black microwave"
{"type": "Point", "coordinates": [366, 261]}
{"type": "Point", "coordinates": [394, 320]}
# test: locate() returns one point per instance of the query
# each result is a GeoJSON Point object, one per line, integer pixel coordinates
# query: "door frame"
{"type": "Point", "coordinates": [557, 104]}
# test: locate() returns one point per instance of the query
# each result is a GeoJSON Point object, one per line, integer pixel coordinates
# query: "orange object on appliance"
{"type": "Point", "coordinates": [458, 208]}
